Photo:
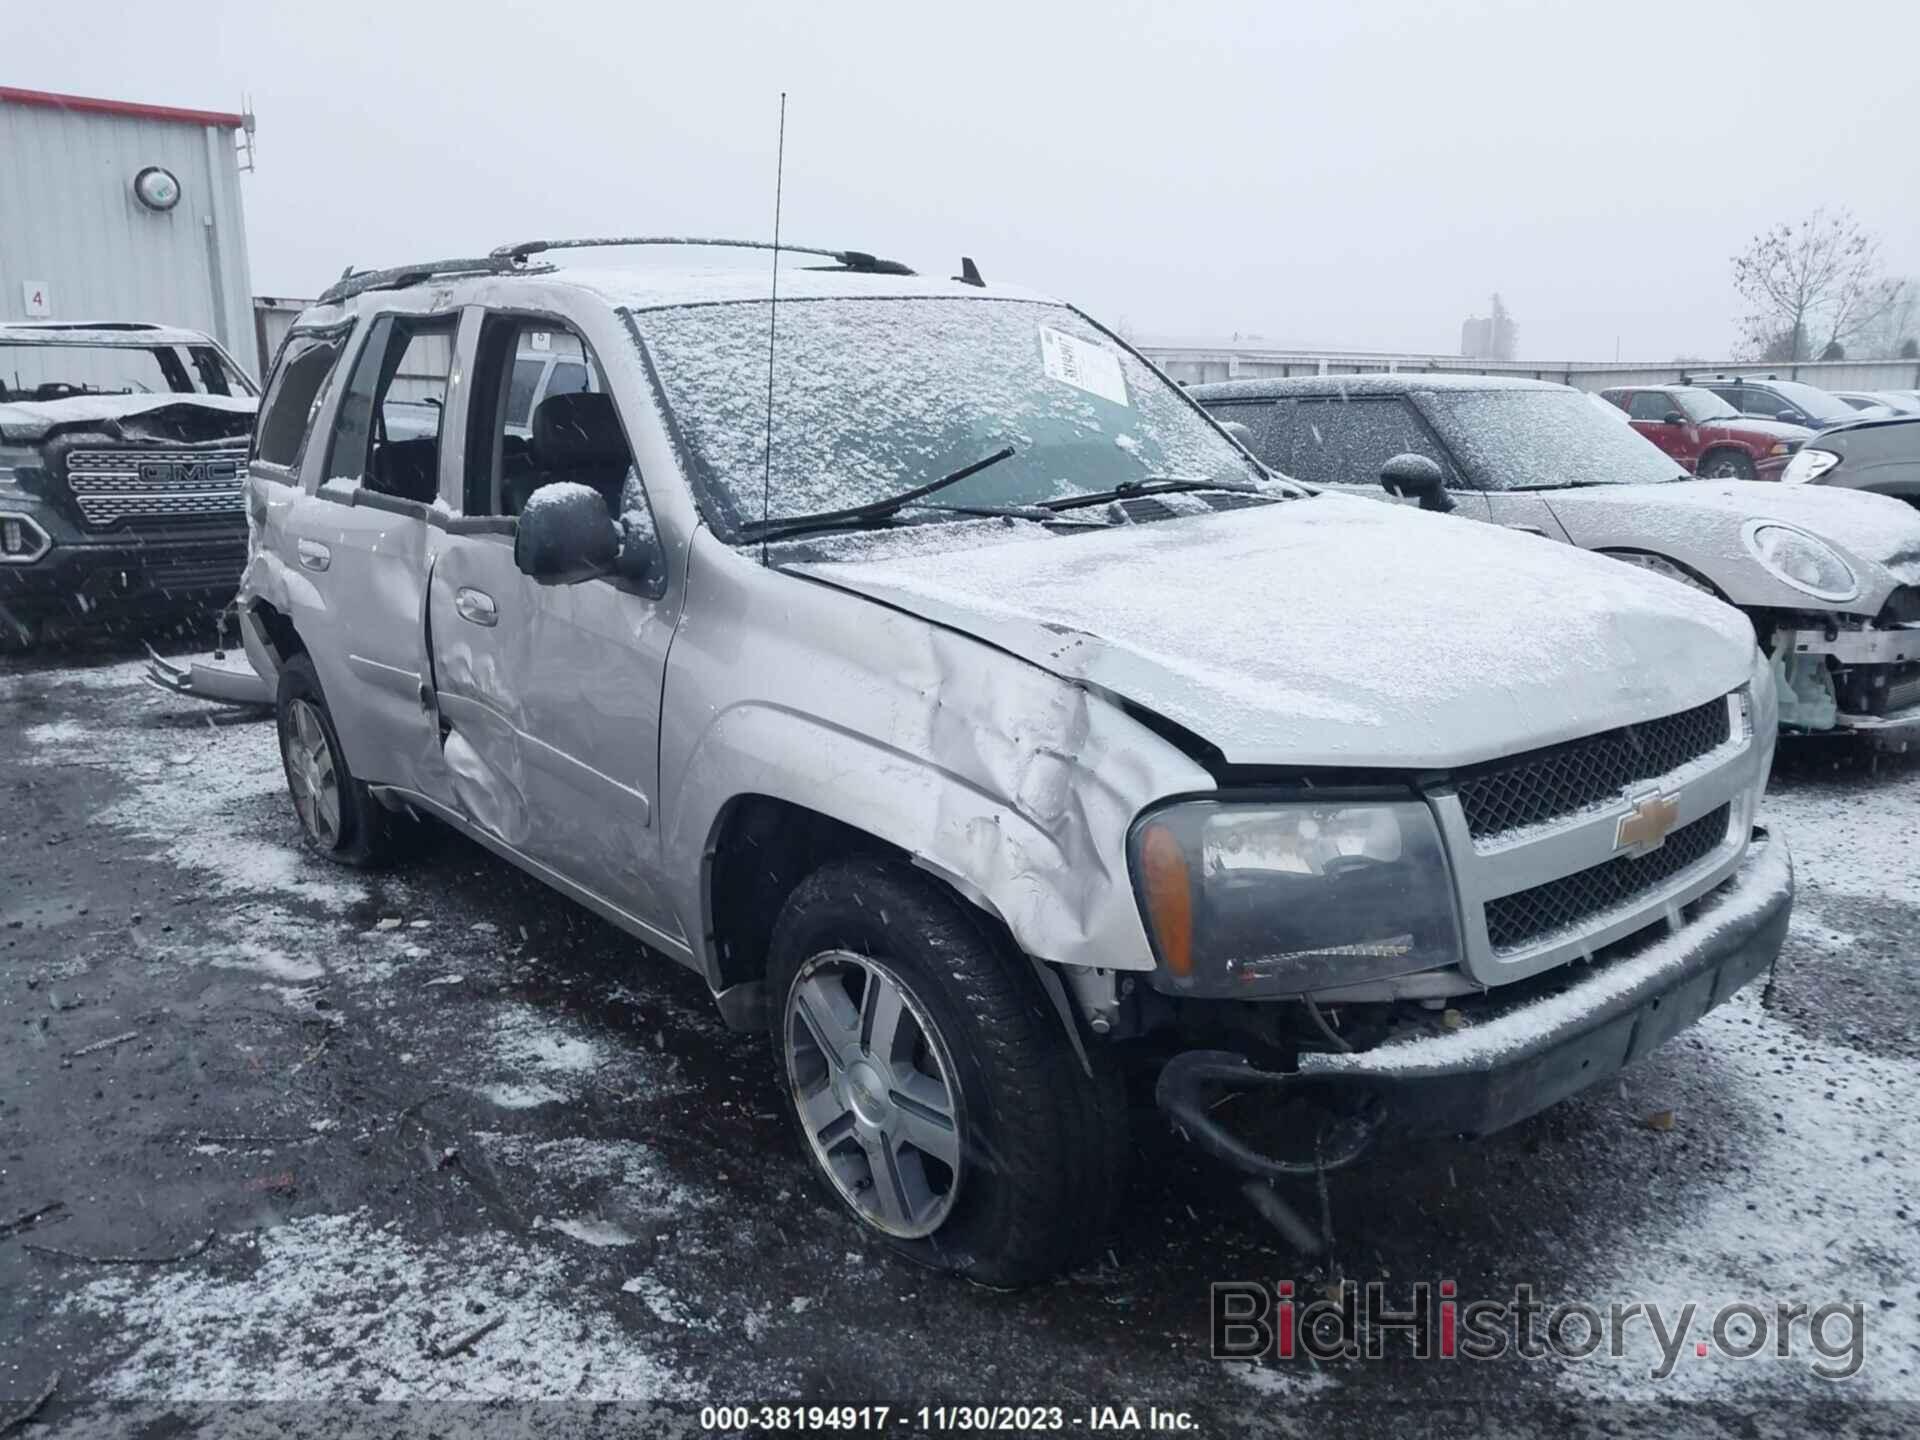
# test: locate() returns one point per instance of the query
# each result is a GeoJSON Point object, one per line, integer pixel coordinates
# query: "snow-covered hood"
{"type": "Point", "coordinates": [1748, 425]}
{"type": "Point", "coordinates": [30, 420]}
{"type": "Point", "coordinates": [1335, 631]}
{"type": "Point", "coordinates": [1700, 524]}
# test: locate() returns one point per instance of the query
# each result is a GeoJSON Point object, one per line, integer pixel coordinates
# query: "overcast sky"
{"type": "Point", "coordinates": [1352, 174]}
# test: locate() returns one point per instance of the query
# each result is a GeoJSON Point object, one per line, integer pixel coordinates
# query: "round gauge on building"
{"type": "Point", "coordinates": [157, 188]}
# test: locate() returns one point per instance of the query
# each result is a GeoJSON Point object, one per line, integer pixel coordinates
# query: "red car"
{"type": "Point", "coordinates": [1706, 435]}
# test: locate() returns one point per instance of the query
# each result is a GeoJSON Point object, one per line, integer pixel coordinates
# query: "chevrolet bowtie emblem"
{"type": "Point", "coordinates": [1645, 827]}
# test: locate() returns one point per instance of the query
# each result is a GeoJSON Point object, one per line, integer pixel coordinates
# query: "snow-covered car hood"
{"type": "Point", "coordinates": [29, 420]}
{"type": "Point", "coordinates": [1748, 425]}
{"type": "Point", "coordinates": [1699, 523]}
{"type": "Point", "coordinates": [1335, 631]}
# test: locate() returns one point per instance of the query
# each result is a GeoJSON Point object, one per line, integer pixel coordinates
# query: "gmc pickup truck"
{"type": "Point", "coordinates": [122, 469]}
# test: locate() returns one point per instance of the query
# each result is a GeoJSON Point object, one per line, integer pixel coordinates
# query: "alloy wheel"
{"type": "Point", "coordinates": [876, 1092]}
{"type": "Point", "coordinates": [312, 775]}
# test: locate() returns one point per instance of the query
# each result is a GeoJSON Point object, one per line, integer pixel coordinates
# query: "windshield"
{"type": "Point", "coordinates": [1700, 405]}
{"type": "Point", "coordinates": [57, 372]}
{"type": "Point", "coordinates": [1541, 440]}
{"type": "Point", "coordinates": [876, 396]}
{"type": "Point", "coordinates": [1815, 402]}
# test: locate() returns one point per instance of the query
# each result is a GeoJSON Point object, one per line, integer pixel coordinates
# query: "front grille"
{"type": "Point", "coordinates": [1561, 779]}
{"type": "Point", "coordinates": [1517, 920]}
{"type": "Point", "coordinates": [1901, 694]}
{"type": "Point", "coordinates": [114, 485]}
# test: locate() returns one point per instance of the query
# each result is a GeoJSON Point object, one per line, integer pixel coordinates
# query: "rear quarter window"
{"type": "Point", "coordinates": [293, 395]}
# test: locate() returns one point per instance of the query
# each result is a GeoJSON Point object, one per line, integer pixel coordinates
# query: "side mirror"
{"type": "Point", "coordinates": [1674, 417]}
{"type": "Point", "coordinates": [1418, 477]}
{"type": "Point", "coordinates": [565, 534]}
{"type": "Point", "coordinates": [1791, 417]}
{"type": "Point", "coordinates": [1240, 432]}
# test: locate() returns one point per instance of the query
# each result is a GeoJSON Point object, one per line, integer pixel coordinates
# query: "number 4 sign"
{"type": "Point", "coordinates": [39, 304]}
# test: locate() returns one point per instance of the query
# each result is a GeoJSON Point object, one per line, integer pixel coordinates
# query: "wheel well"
{"type": "Point", "coordinates": [762, 849]}
{"type": "Point", "coordinates": [282, 638]}
{"type": "Point", "coordinates": [1725, 448]}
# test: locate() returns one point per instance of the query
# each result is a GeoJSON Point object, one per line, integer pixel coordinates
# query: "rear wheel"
{"type": "Point", "coordinates": [339, 818]}
{"type": "Point", "coordinates": [939, 1099]}
{"type": "Point", "coordinates": [1726, 465]}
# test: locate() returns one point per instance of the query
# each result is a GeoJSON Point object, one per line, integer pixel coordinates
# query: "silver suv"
{"type": "Point", "coordinates": [921, 667]}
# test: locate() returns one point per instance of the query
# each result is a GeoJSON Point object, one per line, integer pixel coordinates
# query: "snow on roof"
{"type": "Point", "coordinates": [96, 332]}
{"type": "Point", "coordinates": [653, 288]}
{"type": "Point", "coordinates": [1399, 383]}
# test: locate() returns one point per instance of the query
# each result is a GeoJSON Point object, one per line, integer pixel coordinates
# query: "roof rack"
{"type": "Point", "coordinates": [850, 259]}
{"type": "Point", "coordinates": [512, 260]}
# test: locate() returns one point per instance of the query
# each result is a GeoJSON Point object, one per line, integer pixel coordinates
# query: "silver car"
{"type": "Point", "coordinates": [918, 665]}
{"type": "Point", "coordinates": [1830, 581]}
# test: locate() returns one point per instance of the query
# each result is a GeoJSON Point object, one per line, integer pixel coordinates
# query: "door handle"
{"type": "Point", "coordinates": [314, 555]}
{"type": "Point", "coordinates": [476, 605]}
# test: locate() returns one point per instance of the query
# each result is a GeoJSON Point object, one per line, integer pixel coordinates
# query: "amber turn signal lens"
{"type": "Point", "coordinates": [1169, 892]}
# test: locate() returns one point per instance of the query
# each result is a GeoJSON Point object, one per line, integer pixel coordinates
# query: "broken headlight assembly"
{"type": "Point", "coordinates": [1795, 558]}
{"type": "Point", "coordinates": [1807, 466]}
{"type": "Point", "coordinates": [1250, 900]}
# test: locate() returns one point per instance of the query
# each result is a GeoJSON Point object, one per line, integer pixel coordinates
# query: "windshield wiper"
{"type": "Point", "coordinates": [1010, 512]}
{"type": "Point", "coordinates": [885, 509]}
{"type": "Point", "coordinates": [1151, 485]}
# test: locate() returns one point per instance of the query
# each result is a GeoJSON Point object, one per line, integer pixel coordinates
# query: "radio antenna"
{"type": "Point", "coordinates": [773, 320]}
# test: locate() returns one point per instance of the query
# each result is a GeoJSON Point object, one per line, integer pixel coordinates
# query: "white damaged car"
{"type": "Point", "coordinates": [1829, 578]}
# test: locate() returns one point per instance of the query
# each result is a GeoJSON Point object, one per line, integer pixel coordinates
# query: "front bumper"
{"type": "Point", "coordinates": [1487, 1076]}
{"type": "Point", "coordinates": [144, 572]}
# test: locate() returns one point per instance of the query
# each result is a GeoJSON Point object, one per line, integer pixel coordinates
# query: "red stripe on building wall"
{"type": "Point", "coordinates": [126, 108]}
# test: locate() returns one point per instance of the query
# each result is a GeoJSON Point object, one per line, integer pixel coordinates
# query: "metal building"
{"type": "Point", "coordinates": [111, 210]}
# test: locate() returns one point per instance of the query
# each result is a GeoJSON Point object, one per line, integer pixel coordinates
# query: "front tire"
{"type": "Point", "coordinates": [339, 818]}
{"type": "Point", "coordinates": [1726, 465]}
{"type": "Point", "coordinates": [939, 1099]}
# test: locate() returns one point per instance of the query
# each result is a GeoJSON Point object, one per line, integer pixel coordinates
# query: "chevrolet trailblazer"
{"type": "Point", "coordinates": [980, 713]}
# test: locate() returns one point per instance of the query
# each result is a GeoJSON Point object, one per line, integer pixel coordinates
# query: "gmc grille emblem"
{"type": "Point", "coordinates": [1644, 828]}
{"type": "Point", "coordinates": [188, 472]}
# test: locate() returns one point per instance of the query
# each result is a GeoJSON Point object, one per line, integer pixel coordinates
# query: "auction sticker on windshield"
{"type": "Point", "coordinates": [1086, 367]}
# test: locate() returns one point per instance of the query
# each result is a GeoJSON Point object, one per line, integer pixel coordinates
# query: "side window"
{"type": "Point", "coordinates": [1345, 442]}
{"type": "Point", "coordinates": [1651, 405]}
{"type": "Point", "coordinates": [526, 380]}
{"type": "Point", "coordinates": [1247, 416]}
{"type": "Point", "coordinates": [293, 395]}
{"type": "Point", "coordinates": [569, 378]}
{"type": "Point", "coordinates": [573, 435]}
{"type": "Point", "coordinates": [387, 433]}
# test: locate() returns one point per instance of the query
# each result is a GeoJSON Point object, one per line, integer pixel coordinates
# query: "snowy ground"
{"type": "Point", "coordinates": [411, 1105]}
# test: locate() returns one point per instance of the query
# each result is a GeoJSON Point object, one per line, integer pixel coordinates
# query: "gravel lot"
{"type": "Point", "coordinates": [407, 1104]}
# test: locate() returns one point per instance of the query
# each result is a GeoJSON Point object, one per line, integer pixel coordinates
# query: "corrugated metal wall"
{"type": "Point", "coordinates": [69, 219]}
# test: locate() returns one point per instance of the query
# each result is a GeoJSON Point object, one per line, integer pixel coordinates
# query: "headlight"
{"type": "Point", "coordinates": [1781, 448]}
{"type": "Point", "coordinates": [1808, 465]}
{"type": "Point", "coordinates": [1795, 557]}
{"type": "Point", "coordinates": [1247, 900]}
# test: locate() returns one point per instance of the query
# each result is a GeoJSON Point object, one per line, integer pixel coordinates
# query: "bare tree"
{"type": "Point", "coordinates": [1811, 283]}
{"type": "Point", "coordinates": [1895, 326]}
